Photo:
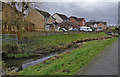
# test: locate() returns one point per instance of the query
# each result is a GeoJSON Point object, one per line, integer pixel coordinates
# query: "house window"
{"type": "Point", "coordinates": [83, 23]}
{"type": "Point", "coordinates": [56, 27]}
{"type": "Point", "coordinates": [5, 26]}
{"type": "Point", "coordinates": [47, 27]}
{"type": "Point", "coordinates": [6, 14]}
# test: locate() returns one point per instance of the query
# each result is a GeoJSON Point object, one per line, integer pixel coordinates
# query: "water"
{"type": "Point", "coordinates": [28, 64]}
{"type": "Point", "coordinates": [25, 63]}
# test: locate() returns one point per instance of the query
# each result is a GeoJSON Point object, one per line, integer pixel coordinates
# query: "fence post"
{"type": "Point", "coordinates": [46, 33]}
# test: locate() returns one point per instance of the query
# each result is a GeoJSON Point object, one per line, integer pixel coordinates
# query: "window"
{"type": "Point", "coordinates": [6, 14]}
{"type": "Point", "coordinates": [5, 26]}
{"type": "Point", "coordinates": [83, 23]}
{"type": "Point", "coordinates": [47, 27]}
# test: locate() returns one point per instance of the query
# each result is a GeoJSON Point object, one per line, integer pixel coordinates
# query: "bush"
{"type": "Point", "coordinates": [10, 48]}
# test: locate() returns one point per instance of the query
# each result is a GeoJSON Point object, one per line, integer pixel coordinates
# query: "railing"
{"type": "Point", "coordinates": [9, 38]}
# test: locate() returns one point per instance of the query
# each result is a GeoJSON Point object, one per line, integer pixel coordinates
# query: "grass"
{"type": "Point", "coordinates": [49, 43]}
{"type": "Point", "coordinates": [20, 55]}
{"type": "Point", "coordinates": [53, 41]}
{"type": "Point", "coordinates": [68, 63]}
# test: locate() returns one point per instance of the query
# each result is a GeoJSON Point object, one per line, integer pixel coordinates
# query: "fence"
{"type": "Point", "coordinates": [9, 38]}
{"type": "Point", "coordinates": [54, 33]}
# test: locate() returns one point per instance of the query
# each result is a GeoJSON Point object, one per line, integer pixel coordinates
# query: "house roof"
{"type": "Point", "coordinates": [92, 23]}
{"type": "Point", "coordinates": [67, 23]}
{"type": "Point", "coordinates": [55, 23]}
{"type": "Point", "coordinates": [64, 17]}
{"type": "Point", "coordinates": [6, 5]}
{"type": "Point", "coordinates": [44, 13]}
{"type": "Point", "coordinates": [77, 19]}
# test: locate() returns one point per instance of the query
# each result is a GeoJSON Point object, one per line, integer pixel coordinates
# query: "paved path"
{"type": "Point", "coordinates": [104, 64]}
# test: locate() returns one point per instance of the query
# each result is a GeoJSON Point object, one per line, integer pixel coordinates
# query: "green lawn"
{"type": "Point", "coordinates": [68, 63]}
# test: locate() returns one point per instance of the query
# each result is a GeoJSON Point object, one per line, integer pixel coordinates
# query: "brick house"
{"type": "Point", "coordinates": [98, 26]}
{"type": "Point", "coordinates": [49, 20]}
{"type": "Point", "coordinates": [11, 22]}
{"type": "Point", "coordinates": [33, 16]}
{"type": "Point", "coordinates": [67, 24]}
{"type": "Point", "coordinates": [42, 20]}
{"type": "Point", "coordinates": [77, 21]}
{"type": "Point", "coordinates": [7, 14]}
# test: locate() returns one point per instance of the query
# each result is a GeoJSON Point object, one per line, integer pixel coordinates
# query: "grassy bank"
{"type": "Point", "coordinates": [68, 63]}
{"type": "Point", "coordinates": [49, 44]}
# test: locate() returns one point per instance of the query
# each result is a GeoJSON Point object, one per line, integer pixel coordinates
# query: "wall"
{"type": "Point", "coordinates": [81, 23]}
{"type": "Point", "coordinates": [36, 18]}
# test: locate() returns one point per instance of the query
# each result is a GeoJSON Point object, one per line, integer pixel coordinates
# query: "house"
{"type": "Point", "coordinates": [78, 21]}
{"type": "Point", "coordinates": [60, 17]}
{"type": "Point", "coordinates": [49, 20]}
{"type": "Point", "coordinates": [33, 16]}
{"type": "Point", "coordinates": [98, 26]}
{"type": "Point", "coordinates": [43, 20]}
{"type": "Point", "coordinates": [13, 20]}
{"type": "Point", "coordinates": [8, 16]}
{"type": "Point", "coordinates": [69, 25]}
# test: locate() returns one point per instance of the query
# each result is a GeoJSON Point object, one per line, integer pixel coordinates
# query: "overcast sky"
{"type": "Point", "coordinates": [101, 11]}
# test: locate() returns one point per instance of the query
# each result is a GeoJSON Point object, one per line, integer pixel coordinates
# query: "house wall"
{"type": "Point", "coordinates": [7, 12]}
{"type": "Point", "coordinates": [7, 16]}
{"type": "Point", "coordinates": [105, 27]}
{"type": "Point", "coordinates": [102, 26]}
{"type": "Point", "coordinates": [37, 19]}
{"type": "Point", "coordinates": [49, 20]}
{"type": "Point", "coordinates": [74, 21]}
{"type": "Point", "coordinates": [58, 19]}
{"type": "Point", "coordinates": [81, 23]}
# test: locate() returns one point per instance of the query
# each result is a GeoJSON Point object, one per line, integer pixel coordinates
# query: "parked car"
{"type": "Point", "coordinates": [63, 29]}
{"type": "Point", "coordinates": [110, 33]}
{"type": "Point", "coordinates": [85, 29]}
{"type": "Point", "coordinates": [74, 30]}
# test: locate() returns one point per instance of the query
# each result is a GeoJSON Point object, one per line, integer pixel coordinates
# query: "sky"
{"type": "Point", "coordinates": [100, 11]}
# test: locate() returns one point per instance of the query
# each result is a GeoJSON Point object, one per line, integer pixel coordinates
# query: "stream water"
{"type": "Point", "coordinates": [21, 64]}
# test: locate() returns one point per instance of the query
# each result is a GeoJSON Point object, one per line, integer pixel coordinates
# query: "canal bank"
{"type": "Point", "coordinates": [60, 58]}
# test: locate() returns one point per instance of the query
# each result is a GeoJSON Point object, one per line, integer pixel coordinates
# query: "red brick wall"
{"type": "Point", "coordinates": [71, 19]}
{"type": "Point", "coordinates": [75, 22]}
{"type": "Point", "coordinates": [81, 23]}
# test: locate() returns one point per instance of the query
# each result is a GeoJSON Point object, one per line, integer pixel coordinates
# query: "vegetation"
{"type": "Point", "coordinates": [20, 55]}
{"type": "Point", "coordinates": [47, 44]}
{"type": "Point", "coordinates": [68, 63]}
{"type": "Point", "coordinates": [36, 42]}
